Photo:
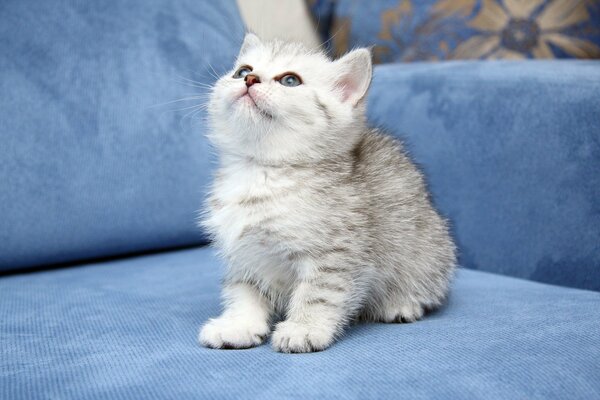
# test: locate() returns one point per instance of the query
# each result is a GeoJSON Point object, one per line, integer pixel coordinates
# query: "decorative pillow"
{"type": "Point", "coordinates": [428, 30]}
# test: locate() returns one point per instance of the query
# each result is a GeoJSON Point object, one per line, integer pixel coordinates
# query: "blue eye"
{"type": "Point", "coordinates": [290, 80]}
{"type": "Point", "coordinates": [242, 72]}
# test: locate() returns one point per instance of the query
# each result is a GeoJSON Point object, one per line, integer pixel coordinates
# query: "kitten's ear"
{"type": "Point", "coordinates": [250, 41]}
{"type": "Point", "coordinates": [354, 71]}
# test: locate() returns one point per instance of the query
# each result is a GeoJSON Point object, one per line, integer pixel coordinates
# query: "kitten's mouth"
{"type": "Point", "coordinates": [246, 96]}
{"type": "Point", "coordinates": [249, 96]}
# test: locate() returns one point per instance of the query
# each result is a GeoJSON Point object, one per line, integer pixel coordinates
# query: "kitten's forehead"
{"type": "Point", "coordinates": [277, 57]}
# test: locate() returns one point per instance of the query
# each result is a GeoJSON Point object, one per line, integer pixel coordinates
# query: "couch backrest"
{"type": "Point", "coordinates": [512, 155]}
{"type": "Point", "coordinates": [92, 161]}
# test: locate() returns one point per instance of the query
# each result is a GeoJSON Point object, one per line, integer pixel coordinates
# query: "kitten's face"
{"type": "Point", "coordinates": [283, 104]}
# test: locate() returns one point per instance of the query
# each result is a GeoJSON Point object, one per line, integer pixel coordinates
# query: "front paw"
{"type": "Point", "coordinates": [233, 333]}
{"type": "Point", "coordinates": [294, 337]}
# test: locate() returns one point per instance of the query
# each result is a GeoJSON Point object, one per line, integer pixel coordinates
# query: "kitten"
{"type": "Point", "coordinates": [321, 219]}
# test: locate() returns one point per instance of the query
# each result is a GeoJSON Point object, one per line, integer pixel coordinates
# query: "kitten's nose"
{"type": "Point", "coordinates": [251, 79]}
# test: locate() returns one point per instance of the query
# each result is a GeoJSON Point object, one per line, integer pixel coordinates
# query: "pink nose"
{"type": "Point", "coordinates": [251, 80]}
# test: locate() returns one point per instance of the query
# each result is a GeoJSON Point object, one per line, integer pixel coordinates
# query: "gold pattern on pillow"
{"type": "Point", "coordinates": [389, 19]}
{"type": "Point", "coordinates": [451, 7]}
{"type": "Point", "coordinates": [341, 36]}
{"type": "Point", "coordinates": [479, 29]}
{"type": "Point", "coordinates": [511, 31]}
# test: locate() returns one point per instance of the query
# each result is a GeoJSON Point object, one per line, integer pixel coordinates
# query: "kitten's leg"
{"type": "Point", "coordinates": [401, 302]}
{"type": "Point", "coordinates": [396, 303]}
{"type": "Point", "coordinates": [320, 307]}
{"type": "Point", "coordinates": [400, 309]}
{"type": "Point", "coordinates": [243, 324]}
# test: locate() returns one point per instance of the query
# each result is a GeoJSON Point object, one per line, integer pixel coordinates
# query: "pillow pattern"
{"type": "Point", "coordinates": [429, 30]}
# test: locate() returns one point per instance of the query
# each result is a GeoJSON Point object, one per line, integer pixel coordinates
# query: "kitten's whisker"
{"type": "Point", "coordinates": [176, 101]}
{"type": "Point", "coordinates": [199, 85]}
{"type": "Point", "coordinates": [195, 108]}
{"type": "Point", "coordinates": [193, 82]}
{"type": "Point", "coordinates": [202, 106]}
{"type": "Point", "coordinates": [323, 46]}
{"type": "Point", "coordinates": [207, 87]}
{"type": "Point", "coordinates": [198, 112]}
{"type": "Point", "coordinates": [213, 73]}
{"type": "Point", "coordinates": [217, 75]}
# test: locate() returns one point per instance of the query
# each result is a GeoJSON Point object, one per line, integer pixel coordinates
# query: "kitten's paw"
{"type": "Point", "coordinates": [233, 333]}
{"type": "Point", "coordinates": [404, 313]}
{"type": "Point", "coordinates": [293, 337]}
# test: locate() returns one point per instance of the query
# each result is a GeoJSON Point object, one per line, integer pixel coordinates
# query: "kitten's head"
{"type": "Point", "coordinates": [282, 103]}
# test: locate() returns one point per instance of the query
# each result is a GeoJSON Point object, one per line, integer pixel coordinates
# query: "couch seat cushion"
{"type": "Point", "coordinates": [127, 329]}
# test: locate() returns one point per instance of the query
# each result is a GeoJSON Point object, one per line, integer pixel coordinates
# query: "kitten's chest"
{"type": "Point", "coordinates": [255, 208]}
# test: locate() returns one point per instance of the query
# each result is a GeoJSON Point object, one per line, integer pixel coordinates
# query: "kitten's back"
{"type": "Point", "coordinates": [411, 240]}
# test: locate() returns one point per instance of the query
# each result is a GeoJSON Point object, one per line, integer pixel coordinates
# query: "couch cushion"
{"type": "Point", "coordinates": [127, 329]}
{"type": "Point", "coordinates": [93, 162]}
{"type": "Point", "coordinates": [512, 154]}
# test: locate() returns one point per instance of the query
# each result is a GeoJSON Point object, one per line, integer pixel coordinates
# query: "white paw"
{"type": "Point", "coordinates": [293, 337]}
{"type": "Point", "coordinates": [405, 313]}
{"type": "Point", "coordinates": [233, 333]}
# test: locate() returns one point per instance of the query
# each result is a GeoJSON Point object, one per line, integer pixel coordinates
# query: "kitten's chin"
{"type": "Point", "coordinates": [248, 104]}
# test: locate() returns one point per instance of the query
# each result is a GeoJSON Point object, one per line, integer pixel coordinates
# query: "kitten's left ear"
{"type": "Point", "coordinates": [354, 75]}
{"type": "Point", "coordinates": [250, 41]}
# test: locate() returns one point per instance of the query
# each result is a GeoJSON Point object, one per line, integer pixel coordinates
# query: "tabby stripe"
{"type": "Point", "coordinates": [331, 286]}
{"type": "Point", "coordinates": [255, 200]}
{"type": "Point", "coordinates": [320, 301]}
{"type": "Point", "coordinates": [323, 108]}
{"type": "Point", "coordinates": [332, 270]}
{"type": "Point", "coordinates": [335, 250]}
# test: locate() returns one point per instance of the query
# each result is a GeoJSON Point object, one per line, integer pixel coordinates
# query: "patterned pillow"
{"type": "Point", "coordinates": [417, 30]}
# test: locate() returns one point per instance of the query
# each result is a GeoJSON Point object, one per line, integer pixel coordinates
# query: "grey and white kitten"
{"type": "Point", "coordinates": [321, 219]}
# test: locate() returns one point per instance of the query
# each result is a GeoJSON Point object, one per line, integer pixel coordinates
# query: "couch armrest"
{"type": "Point", "coordinates": [512, 155]}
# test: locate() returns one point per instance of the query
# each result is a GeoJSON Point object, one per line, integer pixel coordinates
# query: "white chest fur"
{"type": "Point", "coordinates": [255, 221]}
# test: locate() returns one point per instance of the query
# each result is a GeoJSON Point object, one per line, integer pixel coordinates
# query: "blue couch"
{"type": "Point", "coordinates": [106, 280]}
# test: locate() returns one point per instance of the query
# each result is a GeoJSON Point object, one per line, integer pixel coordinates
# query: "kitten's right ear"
{"type": "Point", "coordinates": [354, 72]}
{"type": "Point", "coordinates": [250, 41]}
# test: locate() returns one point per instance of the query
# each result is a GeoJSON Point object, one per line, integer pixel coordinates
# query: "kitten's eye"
{"type": "Point", "coordinates": [242, 72]}
{"type": "Point", "coordinates": [290, 80]}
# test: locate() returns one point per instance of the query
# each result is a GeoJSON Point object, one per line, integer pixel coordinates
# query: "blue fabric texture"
{"type": "Point", "coordinates": [127, 330]}
{"type": "Point", "coordinates": [512, 155]}
{"type": "Point", "coordinates": [426, 30]}
{"type": "Point", "coordinates": [93, 162]}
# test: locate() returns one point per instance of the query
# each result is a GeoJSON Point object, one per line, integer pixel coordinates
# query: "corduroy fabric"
{"type": "Point", "coordinates": [127, 329]}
